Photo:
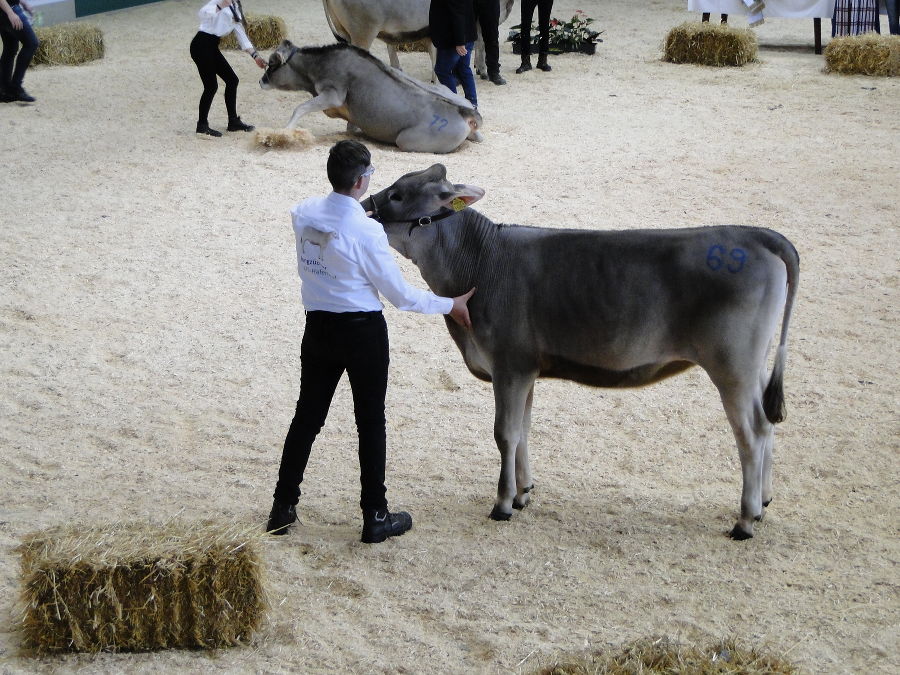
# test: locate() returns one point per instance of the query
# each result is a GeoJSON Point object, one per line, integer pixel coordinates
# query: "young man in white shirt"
{"type": "Point", "coordinates": [345, 262]}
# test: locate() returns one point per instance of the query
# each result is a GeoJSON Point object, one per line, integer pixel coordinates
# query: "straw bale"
{"type": "Point", "coordinates": [282, 138]}
{"type": "Point", "coordinates": [710, 44]}
{"type": "Point", "coordinates": [68, 44]}
{"type": "Point", "coordinates": [136, 587]}
{"type": "Point", "coordinates": [869, 54]}
{"type": "Point", "coordinates": [264, 31]}
{"type": "Point", "coordinates": [660, 655]}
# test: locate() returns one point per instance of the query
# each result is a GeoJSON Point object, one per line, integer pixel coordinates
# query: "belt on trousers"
{"type": "Point", "coordinates": [341, 317]}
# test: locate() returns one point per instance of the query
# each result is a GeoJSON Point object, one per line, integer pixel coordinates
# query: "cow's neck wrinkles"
{"type": "Point", "coordinates": [451, 254]}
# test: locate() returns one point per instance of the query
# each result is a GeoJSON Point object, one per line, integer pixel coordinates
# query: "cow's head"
{"type": "Point", "coordinates": [420, 196]}
{"type": "Point", "coordinates": [278, 77]}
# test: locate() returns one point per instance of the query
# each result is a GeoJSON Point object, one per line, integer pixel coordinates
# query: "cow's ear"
{"type": "Point", "coordinates": [469, 194]}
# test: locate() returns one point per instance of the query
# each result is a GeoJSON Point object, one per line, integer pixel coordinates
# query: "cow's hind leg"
{"type": "Point", "coordinates": [524, 485]}
{"type": "Point", "coordinates": [753, 434]}
{"type": "Point", "coordinates": [511, 391]}
{"type": "Point", "coordinates": [438, 134]}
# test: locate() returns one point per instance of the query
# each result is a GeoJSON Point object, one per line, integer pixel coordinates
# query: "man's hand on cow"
{"type": "Point", "coordinates": [460, 312]}
{"type": "Point", "coordinates": [461, 50]}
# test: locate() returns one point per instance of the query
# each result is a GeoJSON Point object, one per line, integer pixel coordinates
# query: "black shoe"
{"type": "Point", "coordinates": [496, 78]}
{"type": "Point", "coordinates": [526, 65]}
{"type": "Point", "coordinates": [379, 525]}
{"type": "Point", "coordinates": [542, 63]}
{"type": "Point", "coordinates": [280, 517]}
{"type": "Point", "coordinates": [236, 125]}
{"type": "Point", "coordinates": [23, 96]}
{"type": "Point", "coordinates": [204, 129]}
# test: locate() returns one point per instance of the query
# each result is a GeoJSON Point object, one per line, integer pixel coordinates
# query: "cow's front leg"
{"type": "Point", "coordinates": [510, 395]}
{"type": "Point", "coordinates": [523, 466]}
{"type": "Point", "coordinates": [327, 98]}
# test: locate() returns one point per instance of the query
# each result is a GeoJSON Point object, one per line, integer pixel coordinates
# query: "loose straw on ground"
{"type": "Point", "coordinates": [136, 587]}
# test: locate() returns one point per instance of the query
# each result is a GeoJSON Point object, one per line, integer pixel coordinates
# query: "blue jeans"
{"type": "Point", "coordinates": [452, 69]}
{"type": "Point", "coordinates": [12, 69]}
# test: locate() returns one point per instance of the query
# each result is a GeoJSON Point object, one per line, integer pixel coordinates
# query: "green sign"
{"type": "Point", "coordinates": [85, 7]}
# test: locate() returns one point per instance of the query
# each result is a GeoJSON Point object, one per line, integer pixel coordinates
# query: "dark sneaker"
{"type": "Point", "coordinates": [204, 129]}
{"type": "Point", "coordinates": [281, 517]}
{"type": "Point", "coordinates": [379, 525]}
{"type": "Point", "coordinates": [23, 96]}
{"type": "Point", "coordinates": [237, 125]}
{"type": "Point", "coordinates": [497, 79]}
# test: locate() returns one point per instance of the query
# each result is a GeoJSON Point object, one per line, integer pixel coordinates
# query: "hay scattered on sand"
{"type": "Point", "coordinates": [135, 587]}
{"type": "Point", "coordinates": [869, 54]}
{"type": "Point", "coordinates": [265, 32]}
{"type": "Point", "coordinates": [415, 46]}
{"type": "Point", "coordinates": [710, 44]}
{"type": "Point", "coordinates": [68, 44]}
{"type": "Point", "coordinates": [282, 138]}
{"type": "Point", "coordinates": [664, 656]}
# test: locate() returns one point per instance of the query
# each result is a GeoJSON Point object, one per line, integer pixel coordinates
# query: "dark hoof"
{"type": "Point", "coordinates": [767, 503]}
{"type": "Point", "coordinates": [497, 514]}
{"type": "Point", "coordinates": [518, 505]}
{"type": "Point", "coordinates": [739, 534]}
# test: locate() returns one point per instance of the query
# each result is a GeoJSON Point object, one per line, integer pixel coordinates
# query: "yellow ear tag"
{"type": "Point", "coordinates": [458, 204]}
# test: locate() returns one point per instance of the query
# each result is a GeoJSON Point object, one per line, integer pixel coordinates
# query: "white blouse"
{"type": "Point", "coordinates": [221, 22]}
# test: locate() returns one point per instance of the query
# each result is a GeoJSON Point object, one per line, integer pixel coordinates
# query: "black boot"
{"type": "Point", "coordinates": [281, 517]}
{"type": "Point", "coordinates": [235, 124]}
{"type": "Point", "coordinates": [496, 78]}
{"type": "Point", "coordinates": [379, 525]}
{"type": "Point", "coordinates": [526, 65]}
{"type": "Point", "coordinates": [542, 62]}
{"type": "Point", "coordinates": [203, 128]}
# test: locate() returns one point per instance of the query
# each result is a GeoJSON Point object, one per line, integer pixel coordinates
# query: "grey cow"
{"type": "Point", "coordinates": [383, 102]}
{"type": "Point", "coordinates": [607, 309]}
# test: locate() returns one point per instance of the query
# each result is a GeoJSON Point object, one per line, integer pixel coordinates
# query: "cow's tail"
{"type": "Point", "coordinates": [773, 397]}
{"type": "Point", "coordinates": [337, 36]}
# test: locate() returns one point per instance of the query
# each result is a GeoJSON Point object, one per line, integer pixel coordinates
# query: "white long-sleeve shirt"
{"type": "Point", "coordinates": [221, 22]}
{"type": "Point", "coordinates": [344, 261]}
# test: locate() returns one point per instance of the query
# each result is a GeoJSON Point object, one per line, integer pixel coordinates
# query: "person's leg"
{"type": "Point", "coordinates": [444, 65]}
{"type": "Point", "coordinates": [203, 51]}
{"type": "Point", "coordinates": [367, 368]}
{"type": "Point", "coordinates": [320, 372]}
{"type": "Point", "coordinates": [544, 8]}
{"type": "Point", "coordinates": [489, 19]}
{"type": "Point", "coordinates": [7, 59]}
{"type": "Point", "coordinates": [29, 46]}
{"type": "Point", "coordinates": [525, 16]}
{"type": "Point", "coordinates": [230, 78]}
{"type": "Point", "coordinates": [463, 73]}
{"type": "Point", "coordinates": [893, 12]}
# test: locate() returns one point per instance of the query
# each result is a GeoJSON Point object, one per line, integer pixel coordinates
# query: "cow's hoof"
{"type": "Point", "coordinates": [767, 503]}
{"type": "Point", "coordinates": [738, 533]}
{"type": "Point", "coordinates": [498, 514]}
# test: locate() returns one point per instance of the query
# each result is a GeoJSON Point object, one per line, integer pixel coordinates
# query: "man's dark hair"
{"type": "Point", "coordinates": [347, 160]}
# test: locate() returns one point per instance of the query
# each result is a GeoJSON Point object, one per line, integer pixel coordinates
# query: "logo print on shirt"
{"type": "Point", "coordinates": [313, 243]}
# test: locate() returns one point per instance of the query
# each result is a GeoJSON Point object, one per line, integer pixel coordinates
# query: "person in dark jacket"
{"type": "Point", "coordinates": [452, 27]}
{"type": "Point", "coordinates": [15, 28]}
{"type": "Point", "coordinates": [543, 8]}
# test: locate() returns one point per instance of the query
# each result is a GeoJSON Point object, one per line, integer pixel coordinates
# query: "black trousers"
{"type": "Point", "coordinates": [543, 8]}
{"type": "Point", "coordinates": [487, 13]}
{"type": "Point", "coordinates": [356, 342]}
{"type": "Point", "coordinates": [211, 63]}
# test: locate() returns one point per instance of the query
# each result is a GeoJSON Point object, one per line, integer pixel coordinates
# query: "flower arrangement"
{"type": "Point", "coordinates": [565, 36]}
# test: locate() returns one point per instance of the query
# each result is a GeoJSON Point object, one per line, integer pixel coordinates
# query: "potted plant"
{"type": "Point", "coordinates": [565, 36]}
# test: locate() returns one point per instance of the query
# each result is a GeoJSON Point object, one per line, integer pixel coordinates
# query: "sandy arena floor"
{"type": "Point", "coordinates": [150, 324]}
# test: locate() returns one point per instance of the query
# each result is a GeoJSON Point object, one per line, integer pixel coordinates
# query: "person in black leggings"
{"type": "Point", "coordinates": [218, 18]}
{"type": "Point", "coordinates": [527, 13]}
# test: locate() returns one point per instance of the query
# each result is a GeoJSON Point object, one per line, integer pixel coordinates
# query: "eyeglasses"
{"type": "Point", "coordinates": [367, 172]}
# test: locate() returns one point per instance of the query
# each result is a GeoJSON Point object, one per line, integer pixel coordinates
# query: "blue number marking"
{"type": "Point", "coordinates": [441, 122]}
{"type": "Point", "coordinates": [739, 256]}
{"type": "Point", "coordinates": [715, 258]}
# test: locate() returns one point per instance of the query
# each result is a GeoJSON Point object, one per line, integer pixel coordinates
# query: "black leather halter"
{"type": "Point", "coordinates": [413, 222]}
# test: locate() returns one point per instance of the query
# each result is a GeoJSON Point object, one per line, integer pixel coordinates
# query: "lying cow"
{"type": "Point", "coordinates": [382, 102]}
{"type": "Point", "coordinates": [606, 309]}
